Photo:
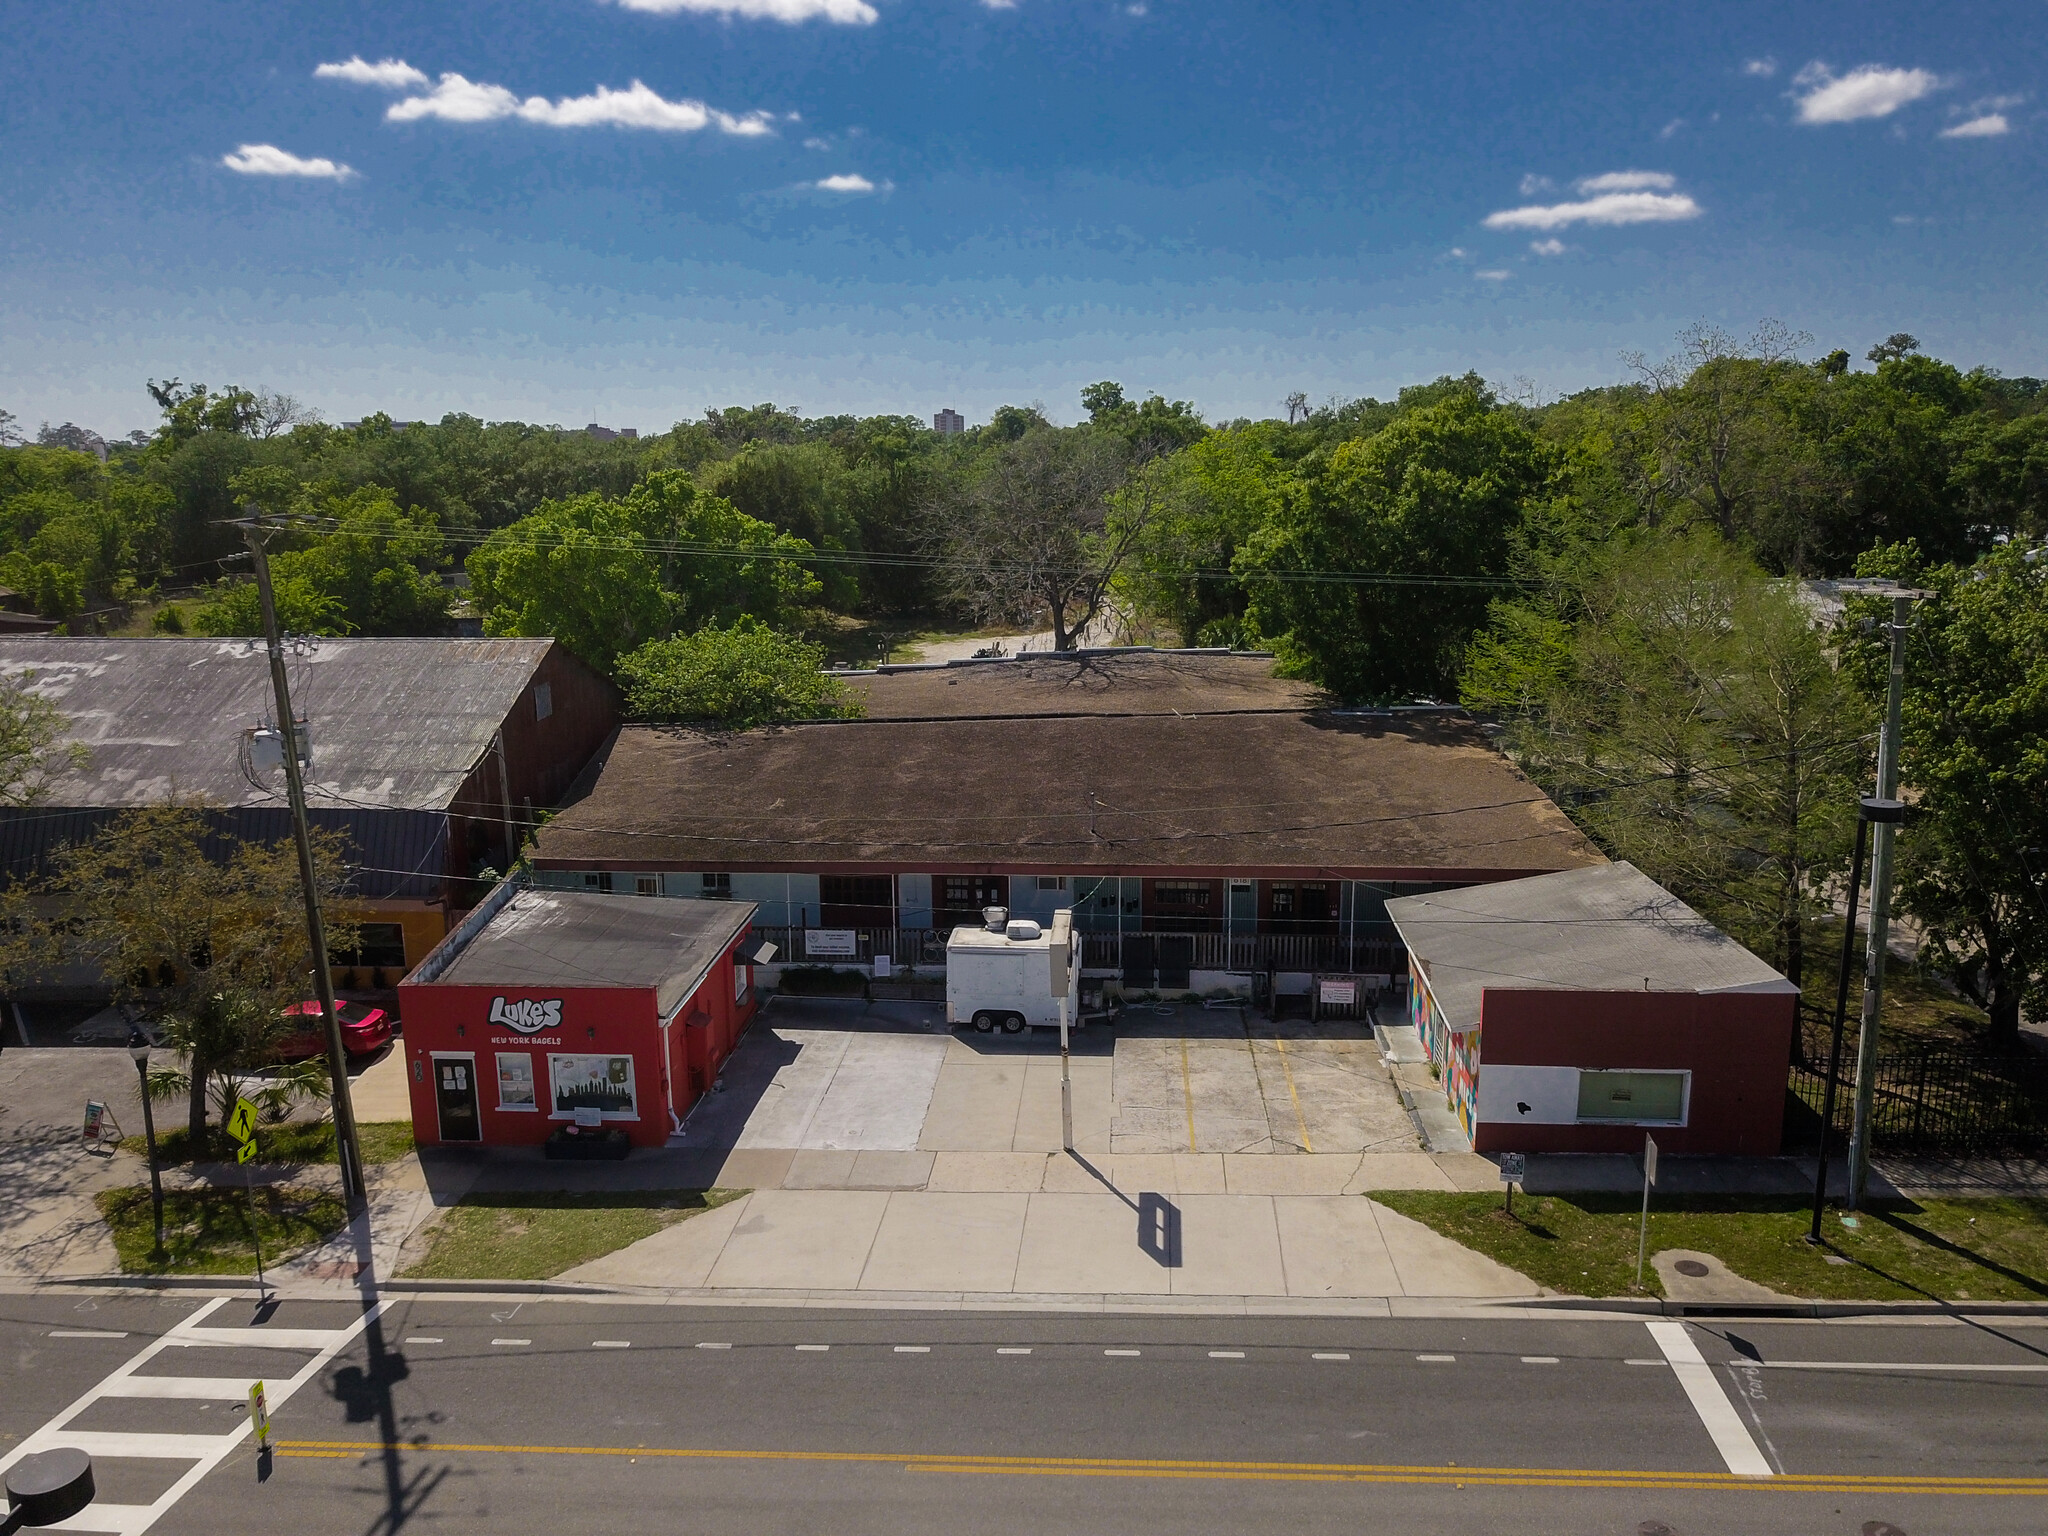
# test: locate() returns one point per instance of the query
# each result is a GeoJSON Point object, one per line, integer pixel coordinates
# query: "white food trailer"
{"type": "Point", "coordinates": [1011, 974]}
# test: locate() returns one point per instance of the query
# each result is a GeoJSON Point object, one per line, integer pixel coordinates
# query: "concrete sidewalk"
{"type": "Point", "coordinates": [1105, 1242]}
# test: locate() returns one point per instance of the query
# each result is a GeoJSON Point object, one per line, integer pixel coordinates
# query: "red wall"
{"type": "Point", "coordinates": [1737, 1045]}
{"type": "Point", "coordinates": [443, 1018]}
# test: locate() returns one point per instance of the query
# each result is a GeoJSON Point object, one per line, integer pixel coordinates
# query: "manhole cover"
{"type": "Point", "coordinates": [1691, 1267]}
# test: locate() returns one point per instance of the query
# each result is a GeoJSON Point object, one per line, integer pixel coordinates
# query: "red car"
{"type": "Point", "coordinates": [364, 1031]}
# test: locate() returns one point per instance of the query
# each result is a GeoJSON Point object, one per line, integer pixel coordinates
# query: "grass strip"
{"type": "Point", "coordinates": [1976, 1249]}
{"type": "Point", "coordinates": [537, 1234]}
{"type": "Point", "coordinates": [294, 1141]}
{"type": "Point", "coordinates": [207, 1232]}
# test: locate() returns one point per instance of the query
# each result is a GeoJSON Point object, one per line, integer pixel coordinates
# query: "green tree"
{"type": "Point", "coordinates": [1435, 501]}
{"type": "Point", "coordinates": [218, 945]}
{"type": "Point", "coordinates": [606, 576]}
{"type": "Point", "coordinates": [33, 745]}
{"type": "Point", "coordinates": [1036, 532]}
{"type": "Point", "coordinates": [1683, 710]}
{"type": "Point", "coordinates": [1205, 503]}
{"type": "Point", "coordinates": [743, 675]}
{"type": "Point", "coordinates": [1975, 767]}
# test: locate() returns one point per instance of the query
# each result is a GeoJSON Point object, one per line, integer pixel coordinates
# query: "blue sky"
{"type": "Point", "coordinates": [629, 210]}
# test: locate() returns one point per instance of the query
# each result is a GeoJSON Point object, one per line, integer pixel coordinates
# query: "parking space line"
{"type": "Point", "coordinates": [714, 1346]}
{"type": "Point", "coordinates": [423, 1338]}
{"type": "Point", "coordinates": [1329, 1354]}
{"type": "Point", "coordinates": [1539, 1359]}
{"type": "Point", "coordinates": [1438, 1359]}
{"type": "Point", "coordinates": [1723, 1424]}
{"type": "Point", "coordinates": [611, 1344]}
{"type": "Point", "coordinates": [1226, 1354]}
{"type": "Point", "coordinates": [1019, 1351]}
{"type": "Point", "coordinates": [513, 1342]}
{"type": "Point", "coordinates": [1123, 1354]}
{"type": "Point", "coordinates": [814, 1349]}
{"type": "Point", "coordinates": [913, 1349]}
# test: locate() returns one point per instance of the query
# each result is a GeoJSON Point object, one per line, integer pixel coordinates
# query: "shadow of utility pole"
{"type": "Point", "coordinates": [1158, 1218]}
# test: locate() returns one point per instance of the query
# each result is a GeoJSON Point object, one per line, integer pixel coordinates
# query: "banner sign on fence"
{"type": "Point", "coordinates": [1339, 994]}
{"type": "Point", "coordinates": [830, 943]}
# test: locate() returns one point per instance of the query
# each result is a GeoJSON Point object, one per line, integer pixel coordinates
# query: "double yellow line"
{"type": "Point", "coordinates": [1233, 1471]}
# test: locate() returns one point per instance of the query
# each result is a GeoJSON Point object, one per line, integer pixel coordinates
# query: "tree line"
{"type": "Point", "coordinates": [1611, 578]}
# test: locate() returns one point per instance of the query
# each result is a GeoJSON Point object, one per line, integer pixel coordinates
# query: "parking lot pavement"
{"type": "Point", "coordinates": [835, 1075]}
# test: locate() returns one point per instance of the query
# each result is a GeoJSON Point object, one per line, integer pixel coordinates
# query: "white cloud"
{"type": "Point", "coordinates": [1495, 275]}
{"type": "Point", "coordinates": [1608, 208]}
{"type": "Point", "coordinates": [1989, 126]}
{"type": "Point", "coordinates": [1869, 90]}
{"type": "Point", "coordinates": [1532, 184]}
{"type": "Point", "coordinates": [1762, 68]}
{"type": "Point", "coordinates": [1551, 247]}
{"type": "Point", "coordinates": [848, 13]}
{"type": "Point", "coordinates": [844, 183]}
{"type": "Point", "coordinates": [455, 99]}
{"type": "Point", "coordinates": [999, 5]}
{"type": "Point", "coordinates": [1626, 181]}
{"type": "Point", "coordinates": [385, 74]}
{"type": "Point", "coordinates": [817, 143]}
{"type": "Point", "coordinates": [269, 160]}
{"type": "Point", "coordinates": [1458, 253]}
{"type": "Point", "coordinates": [1671, 128]}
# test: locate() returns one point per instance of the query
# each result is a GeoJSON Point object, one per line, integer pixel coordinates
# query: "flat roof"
{"type": "Point", "coordinates": [1133, 681]}
{"type": "Point", "coordinates": [1605, 929]}
{"type": "Point", "coordinates": [1402, 795]}
{"type": "Point", "coordinates": [543, 938]}
{"type": "Point", "coordinates": [397, 724]}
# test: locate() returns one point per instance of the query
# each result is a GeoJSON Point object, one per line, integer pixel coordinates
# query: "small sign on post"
{"type": "Point", "coordinates": [1513, 1165]}
{"type": "Point", "coordinates": [242, 1122]}
{"type": "Point", "coordinates": [259, 1415]}
{"type": "Point", "coordinates": [1649, 1178]}
{"type": "Point", "coordinates": [242, 1127]}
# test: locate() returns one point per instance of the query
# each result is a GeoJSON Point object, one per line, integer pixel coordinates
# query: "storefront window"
{"type": "Point", "coordinates": [603, 1083]}
{"type": "Point", "coordinates": [515, 1080]}
{"type": "Point", "coordinates": [1632, 1098]}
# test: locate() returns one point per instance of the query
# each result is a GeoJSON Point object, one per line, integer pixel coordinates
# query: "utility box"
{"type": "Point", "coordinates": [1012, 975]}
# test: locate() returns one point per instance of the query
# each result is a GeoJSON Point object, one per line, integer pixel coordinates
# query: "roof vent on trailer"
{"type": "Point", "coordinates": [1023, 930]}
{"type": "Point", "coordinates": [995, 917]}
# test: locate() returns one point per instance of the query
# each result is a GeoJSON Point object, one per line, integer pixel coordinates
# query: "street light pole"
{"type": "Point", "coordinates": [348, 1147]}
{"type": "Point", "coordinates": [138, 1048]}
{"type": "Point", "coordinates": [1880, 893]}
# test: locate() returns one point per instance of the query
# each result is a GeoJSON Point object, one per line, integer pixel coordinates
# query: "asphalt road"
{"type": "Point", "coordinates": [458, 1415]}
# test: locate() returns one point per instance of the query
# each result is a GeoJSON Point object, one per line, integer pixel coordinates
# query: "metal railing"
{"type": "Point", "coordinates": [1929, 1098]}
{"type": "Point", "coordinates": [923, 948]}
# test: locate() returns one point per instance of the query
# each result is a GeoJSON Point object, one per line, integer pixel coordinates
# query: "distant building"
{"type": "Point", "coordinates": [949, 420]}
{"type": "Point", "coordinates": [607, 434]}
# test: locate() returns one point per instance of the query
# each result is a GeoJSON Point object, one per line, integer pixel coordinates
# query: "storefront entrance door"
{"type": "Point", "coordinates": [455, 1095]}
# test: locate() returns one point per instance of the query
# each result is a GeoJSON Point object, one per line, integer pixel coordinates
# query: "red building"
{"type": "Point", "coordinates": [542, 1003]}
{"type": "Point", "coordinates": [1577, 1012]}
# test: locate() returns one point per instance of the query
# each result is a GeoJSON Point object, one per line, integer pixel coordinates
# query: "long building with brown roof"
{"type": "Point", "coordinates": [1178, 792]}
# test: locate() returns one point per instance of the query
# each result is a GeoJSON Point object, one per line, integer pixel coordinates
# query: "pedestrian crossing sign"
{"type": "Point", "coordinates": [242, 1123]}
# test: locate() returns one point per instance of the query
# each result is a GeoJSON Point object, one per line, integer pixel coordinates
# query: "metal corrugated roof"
{"type": "Point", "coordinates": [397, 723]}
{"type": "Point", "coordinates": [1610, 928]}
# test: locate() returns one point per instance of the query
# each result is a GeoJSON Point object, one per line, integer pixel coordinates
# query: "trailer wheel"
{"type": "Point", "coordinates": [985, 1022]}
{"type": "Point", "coordinates": [1013, 1023]}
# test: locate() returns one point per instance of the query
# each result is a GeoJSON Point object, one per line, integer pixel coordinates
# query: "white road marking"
{"type": "Point", "coordinates": [213, 1388]}
{"type": "Point", "coordinates": [1539, 1359]}
{"type": "Point", "coordinates": [204, 1452]}
{"type": "Point", "coordinates": [87, 1333]}
{"type": "Point", "coordinates": [421, 1338]}
{"type": "Point", "coordinates": [1226, 1354]}
{"type": "Point", "coordinates": [1882, 1365]}
{"type": "Point", "coordinates": [1730, 1435]}
{"type": "Point", "coordinates": [1660, 1360]}
{"type": "Point", "coordinates": [714, 1346]}
{"type": "Point", "coordinates": [913, 1349]}
{"type": "Point", "coordinates": [1013, 1351]}
{"type": "Point", "coordinates": [814, 1348]}
{"type": "Point", "coordinates": [611, 1344]}
{"type": "Point", "coordinates": [1124, 1354]}
{"type": "Point", "coordinates": [1330, 1355]}
{"type": "Point", "coordinates": [1438, 1359]}
{"type": "Point", "coordinates": [512, 1341]}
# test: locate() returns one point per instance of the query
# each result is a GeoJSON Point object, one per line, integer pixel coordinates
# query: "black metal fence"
{"type": "Point", "coordinates": [1950, 1099]}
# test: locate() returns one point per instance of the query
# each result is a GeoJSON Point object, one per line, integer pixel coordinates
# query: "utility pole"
{"type": "Point", "coordinates": [348, 1148]}
{"type": "Point", "coordinates": [1883, 831]}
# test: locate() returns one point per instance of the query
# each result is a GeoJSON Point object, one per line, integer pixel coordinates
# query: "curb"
{"type": "Point", "coordinates": [1652, 1306]}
